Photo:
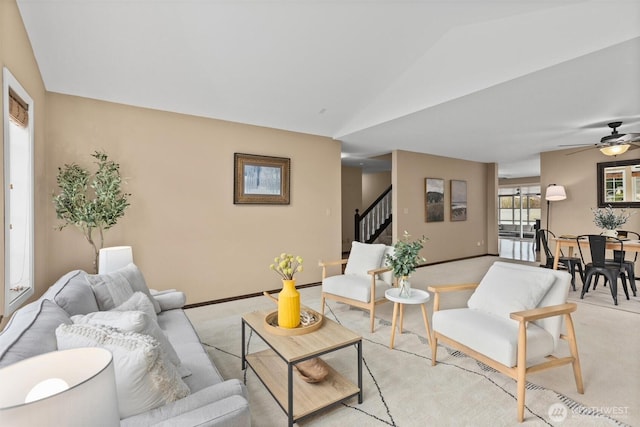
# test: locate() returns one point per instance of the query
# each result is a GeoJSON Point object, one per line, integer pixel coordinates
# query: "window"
{"type": "Point", "coordinates": [519, 207]}
{"type": "Point", "coordinates": [18, 194]}
{"type": "Point", "coordinates": [614, 184]}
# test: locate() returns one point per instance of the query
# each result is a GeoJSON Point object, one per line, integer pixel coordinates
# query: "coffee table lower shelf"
{"type": "Point", "coordinates": [308, 397]}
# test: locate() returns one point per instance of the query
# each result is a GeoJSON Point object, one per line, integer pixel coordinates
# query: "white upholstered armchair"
{"type": "Point", "coordinates": [364, 281]}
{"type": "Point", "coordinates": [513, 322]}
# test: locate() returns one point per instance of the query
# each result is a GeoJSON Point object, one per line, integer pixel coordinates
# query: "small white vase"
{"type": "Point", "coordinates": [610, 233]}
{"type": "Point", "coordinates": [405, 287]}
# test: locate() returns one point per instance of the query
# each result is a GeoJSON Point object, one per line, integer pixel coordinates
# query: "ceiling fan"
{"type": "Point", "coordinates": [614, 144]}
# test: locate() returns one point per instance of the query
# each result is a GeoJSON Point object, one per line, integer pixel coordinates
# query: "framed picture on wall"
{"type": "Point", "coordinates": [434, 199]}
{"type": "Point", "coordinates": [261, 179]}
{"type": "Point", "coordinates": [458, 200]}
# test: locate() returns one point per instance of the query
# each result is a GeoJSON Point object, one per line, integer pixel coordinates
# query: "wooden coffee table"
{"type": "Point", "coordinates": [296, 397]}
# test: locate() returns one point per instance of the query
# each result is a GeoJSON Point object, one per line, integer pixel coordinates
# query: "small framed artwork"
{"type": "Point", "coordinates": [261, 179]}
{"type": "Point", "coordinates": [458, 200]}
{"type": "Point", "coordinates": [434, 199]}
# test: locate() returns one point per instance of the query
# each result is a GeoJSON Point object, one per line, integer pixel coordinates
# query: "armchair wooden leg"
{"type": "Point", "coordinates": [434, 349]}
{"type": "Point", "coordinates": [323, 302]}
{"type": "Point", "coordinates": [372, 315]}
{"type": "Point", "coordinates": [573, 348]}
{"type": "Point", "coordinates": [521, 369]}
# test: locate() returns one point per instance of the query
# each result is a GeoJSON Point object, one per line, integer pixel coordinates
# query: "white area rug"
{"type": "Point", "coordinates": [401, 388]}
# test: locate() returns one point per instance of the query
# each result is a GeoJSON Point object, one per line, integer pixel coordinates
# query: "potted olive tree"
{"type": "Point", "coordinates": [92, 203]}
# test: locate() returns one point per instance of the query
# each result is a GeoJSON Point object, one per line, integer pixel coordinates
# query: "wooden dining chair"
{"type": "Point", "coordinates": [600, 266]}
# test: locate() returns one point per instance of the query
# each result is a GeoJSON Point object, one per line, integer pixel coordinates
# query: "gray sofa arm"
{"type": "Point", "coordinates": [213, 403]}
{"type": "Point", "coordinates": [232, 411]}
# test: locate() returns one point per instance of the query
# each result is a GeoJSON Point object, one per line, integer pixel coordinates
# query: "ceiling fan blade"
{"type": "Point", "coordinates": [580, 150]}
{"type": "Point", "coordinates": [576, 145]}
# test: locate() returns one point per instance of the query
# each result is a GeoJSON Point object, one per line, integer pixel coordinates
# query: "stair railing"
{"type": "Point", "coordinates": [372, 222]}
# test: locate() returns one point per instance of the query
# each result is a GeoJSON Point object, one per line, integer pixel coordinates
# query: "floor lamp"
{"type": "Point", "coordinates": [554, 193]}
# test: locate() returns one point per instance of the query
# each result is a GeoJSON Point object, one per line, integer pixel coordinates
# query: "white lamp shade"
{"type": "Point", "coordinates": [114, 258]}
{"type": "Point", "coordinates": [90, 400]}
{"type": "Point", "coordinates": [555, 193]}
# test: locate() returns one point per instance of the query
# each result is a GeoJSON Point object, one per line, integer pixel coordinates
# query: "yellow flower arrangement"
{"type": "Point", "coordinates": [286, 265]}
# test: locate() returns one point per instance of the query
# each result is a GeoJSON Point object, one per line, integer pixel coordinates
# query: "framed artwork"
{"type": "Point", "coordinates": [434, 199]}
{"type": "Point", "coordinates": [458, 200]}
{"type": "Point", "coordinates": [261, 179]}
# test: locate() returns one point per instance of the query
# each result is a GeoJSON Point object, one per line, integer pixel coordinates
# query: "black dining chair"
{"type": "Point", "coordinates": [570, 263]}
{"type": "Point", "coordinates": [628, 264]}
{"type": "Point", "coordinates": [600, 266]}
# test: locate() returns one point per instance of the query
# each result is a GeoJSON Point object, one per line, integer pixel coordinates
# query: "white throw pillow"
{"type": "Point", "coordinates": [364, 257]}
{"type": "Point", "coordinates": [504, 290]}
{"type": "Point", "coordinates": [138, 302]}
{"type": "Point", "coordinates": [144, 379]}
{"type": "Point", "coordinates": [134, 276]}
{"type": "Point", "coordinates": [133, 321]}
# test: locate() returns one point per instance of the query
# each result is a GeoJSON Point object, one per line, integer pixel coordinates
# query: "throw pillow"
{"type": "Point", "coordinates": [138, 302]}
{"type": "Point", "coordinates": [144, 380]}
{"type": "Point", "coordinates": [364, 257]}
{"type": "Point", "coordinates": [110, 289]}
{"type": "Point", "coordinates": [132, 321]}
{"type": "Point", "coordinates": [504, 290]}
{"type": "Point", "coordinates": [30, 331]}
{"type": "Point", "coordinates": [134, 276]}
{"type": "Point", "coordinates": [73, 294]}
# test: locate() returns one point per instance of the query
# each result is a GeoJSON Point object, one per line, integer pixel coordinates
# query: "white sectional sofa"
{"type": "Point", "coordinates": [208, 400]}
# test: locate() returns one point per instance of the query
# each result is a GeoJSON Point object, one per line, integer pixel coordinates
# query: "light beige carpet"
{"type": "Point", "coordinates": [401, 388]}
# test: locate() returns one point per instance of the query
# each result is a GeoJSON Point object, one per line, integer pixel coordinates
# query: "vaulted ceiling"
{"type": "Point", "coordinates": [490, 81]}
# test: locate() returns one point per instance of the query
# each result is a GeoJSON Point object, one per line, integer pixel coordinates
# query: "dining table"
{"type": "Point", "coordinates": [571, 242]}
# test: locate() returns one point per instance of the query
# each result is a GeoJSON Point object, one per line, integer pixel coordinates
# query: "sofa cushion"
{"type": "Point", "coordinates": [364, 257]}
{"type": "Point", "coordinates": [490, 335]}
{"type": "Point", "coordinates": [354, 286]}
{"type": "Point", "coordinates": [73, 294]}
{"type": "Point", "coordinates": [31, 331]}
{"type": "Point", "coordinates": [144, 379]}
{"type": "Point", "coordinates": [505, 289]}
{"type": "Point", "coordinates": [133, 321]}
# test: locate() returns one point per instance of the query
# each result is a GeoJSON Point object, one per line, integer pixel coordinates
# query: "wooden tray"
{"type": "Point", "coordinates": [271, 324]}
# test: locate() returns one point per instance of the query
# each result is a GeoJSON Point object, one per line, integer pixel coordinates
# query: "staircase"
{"type": "Point", "coordinates": [374, 220]}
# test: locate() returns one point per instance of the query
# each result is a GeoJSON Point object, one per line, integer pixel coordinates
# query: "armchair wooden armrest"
{"type": "Point", "coordinates": [452, 288]}
{"type": "Point", "coordinates": [438, 289]}
{"type": "Point", "coordinates": [378, 270]}
{"type": "Point", "coordinates": [330, 263]}
{"type": "Point", "coordinates": [325, 264]}
{"type": "Point", "coordinates": [543, 312]}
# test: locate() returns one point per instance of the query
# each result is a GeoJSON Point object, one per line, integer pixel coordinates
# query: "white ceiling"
{"type": "Point", "coordinates": [489, 81]}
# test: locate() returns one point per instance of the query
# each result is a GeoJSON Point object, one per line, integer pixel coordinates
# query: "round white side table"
{"type": "Point", "coordinates": [418, 296]}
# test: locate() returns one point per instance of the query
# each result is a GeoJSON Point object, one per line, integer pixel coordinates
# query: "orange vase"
{"type": "Point", "coordinates": [289, 305]}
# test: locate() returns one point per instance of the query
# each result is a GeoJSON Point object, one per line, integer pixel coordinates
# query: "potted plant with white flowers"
{"type": "Point", "coordinates": [608, 220]}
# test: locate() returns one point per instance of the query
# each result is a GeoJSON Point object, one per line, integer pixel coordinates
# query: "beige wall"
{"type": "Point", "coordinates": [373, 185]}
{"type": "Point", "coordinates": [447, 240]}
{"type": "Point", "coordinates": [577, 172]}
{"type": "Point", "coordinates": [16, 54]}
{"type": "Point", "coordinates": [351, 200]}
{"type": "Point", "coordinates": [184, 228]}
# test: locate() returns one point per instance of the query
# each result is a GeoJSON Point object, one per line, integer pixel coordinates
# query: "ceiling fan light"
{"type": "Point", "coordinates": [614, 150]}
